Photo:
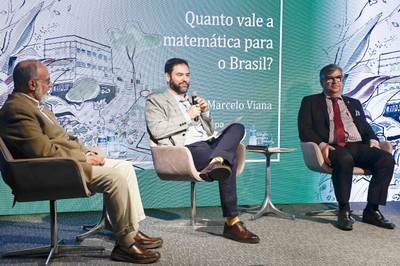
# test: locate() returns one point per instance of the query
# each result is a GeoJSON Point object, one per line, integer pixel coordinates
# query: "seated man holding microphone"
{"type": "Point", "coordinates": [176, 120]}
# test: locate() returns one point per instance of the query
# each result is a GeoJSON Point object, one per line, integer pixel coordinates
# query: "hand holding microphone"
{"type": "Point", "coordinates": [199, 104]}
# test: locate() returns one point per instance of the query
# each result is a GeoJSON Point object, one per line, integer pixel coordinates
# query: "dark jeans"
{"type": "Point", "coordinates": [224, 146]}
{"type": "Point", "coordinates": [379, 162]}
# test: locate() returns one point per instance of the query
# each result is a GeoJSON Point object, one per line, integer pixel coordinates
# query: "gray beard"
{"type": "Point", "coordinates": [43, 99]}
{"type": "Point", "coordinates": [39, 96]}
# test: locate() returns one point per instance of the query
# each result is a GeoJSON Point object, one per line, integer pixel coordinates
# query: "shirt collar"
{"type": "Point", "coordinates": [177, 98]}
{"type": "Point", "coordinates": [329, 97]}
{"type": "Point", "coordinates": [34, 100]}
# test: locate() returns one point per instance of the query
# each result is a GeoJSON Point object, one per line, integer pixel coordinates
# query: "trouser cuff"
{"type": "Point", "coordinates": [125, 238]}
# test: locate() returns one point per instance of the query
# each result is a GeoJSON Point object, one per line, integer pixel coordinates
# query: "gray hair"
{"type": "Point", "coordinates": [23, 72]}
{"type": "Point", "coordinates": [326, 70]}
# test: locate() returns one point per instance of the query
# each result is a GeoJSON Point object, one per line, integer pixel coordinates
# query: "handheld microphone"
{"type": "Point", "coordinates": [194, 95]}
{"type": "Point", "coordinates": [194, 102]}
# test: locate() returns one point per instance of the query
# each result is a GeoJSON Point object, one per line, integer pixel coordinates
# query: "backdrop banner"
{"type": "Point", "coordinates": [250, 59]}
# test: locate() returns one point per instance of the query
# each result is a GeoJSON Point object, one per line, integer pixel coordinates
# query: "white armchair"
{"type": "Point", "coordinates": [313, 159]}
{"type": "Point", "coordinates": [175, 163]}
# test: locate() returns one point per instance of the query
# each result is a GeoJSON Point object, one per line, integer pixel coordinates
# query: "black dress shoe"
{"type": "Point", "coordinates": [377, 218]}
{"type": "Point", "coordinates": [239, 232]}
{"type": "Point", "coordinates": [146, 241]}
{"type": "Point", "coordinates": [344, 221]}
{"type": "Point", "coordinates": [216, 171]}
{"type": "Point", "coordinates": [134, 254]}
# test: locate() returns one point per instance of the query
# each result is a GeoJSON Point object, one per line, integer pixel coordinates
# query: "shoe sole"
{"type": "Point", "coordinates": [345, 228]}
{"type": "Point", "coordinates": [392, 226]}
{"type": "Point", "coordinates": [247, 241]}
{"type": "Point", "coordinates": [150, 246]}
{"type": "Point", "coordinates": [205, 177]}
{"type": "Point", "coordinates": [117, 257]}
{"type": "Point", "coordinates": [218, 174]}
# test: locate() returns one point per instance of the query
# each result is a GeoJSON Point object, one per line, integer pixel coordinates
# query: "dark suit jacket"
{"type": "Point", "coordinates": [29, 134]}
{"type": "Point", "coordinates": [313, 119]}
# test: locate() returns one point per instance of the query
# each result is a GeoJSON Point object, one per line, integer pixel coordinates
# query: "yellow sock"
{"type": "Point", "coordinates": [217, 159]}
{"type": "Point", "coordinates": [232, 220]}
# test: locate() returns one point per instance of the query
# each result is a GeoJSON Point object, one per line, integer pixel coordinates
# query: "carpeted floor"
{"type": "Point", "coordinates": [303, 241]}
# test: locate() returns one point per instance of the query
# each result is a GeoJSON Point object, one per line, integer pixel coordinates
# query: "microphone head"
{"type": "Point", "coordinates": [194, 94]}
{"type": "Point", "coordinates": [194, 102]}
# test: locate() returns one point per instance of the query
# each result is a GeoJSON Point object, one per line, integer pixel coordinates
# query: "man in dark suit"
{"type": "Point", "coordinates": [338, 125]}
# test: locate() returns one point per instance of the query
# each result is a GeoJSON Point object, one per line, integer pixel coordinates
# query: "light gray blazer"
{"type": "Point", "coordinates": [165, 121]}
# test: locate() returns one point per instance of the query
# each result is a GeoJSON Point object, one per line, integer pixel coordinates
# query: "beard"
{"type": "Point", "coordinates": [177, 87]}
{"type": "Point", "coordinates": [42, 98]}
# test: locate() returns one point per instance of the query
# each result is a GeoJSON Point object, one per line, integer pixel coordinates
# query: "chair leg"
{"type": "Point", "coordinates": [194, 220]}
{"type": "Point", "coordinates": [54, 248]}
{"type": "Point", "coordinates": [193, 204]}
{"type": "Point", "coordinates": [95, 228]}
{"type": "Point", "coordinates": [332, 211]}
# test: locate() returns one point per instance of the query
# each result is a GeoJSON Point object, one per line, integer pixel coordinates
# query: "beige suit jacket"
{"type": "Point", "coordinates": [33, 133]}
{"type": "Point", "coordinates": [166, 122]}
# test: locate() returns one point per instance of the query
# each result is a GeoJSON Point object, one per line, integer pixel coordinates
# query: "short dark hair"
{"type": "Point", "coordinates": [23, 72]}
{"type": "Point", "coordinates": [169, 65]}
{"type": "Point", "coordinates": [326, 70]}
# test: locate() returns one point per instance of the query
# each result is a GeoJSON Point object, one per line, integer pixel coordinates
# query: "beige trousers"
{"type": "Point", "coordinates": [118, 183]}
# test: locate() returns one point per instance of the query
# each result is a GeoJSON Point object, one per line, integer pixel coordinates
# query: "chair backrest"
{"type": "Point", "coordinates": [313, 158]}
{"type": "Point", "coordinates": [5, 158]}
{"type": "Point", "coordinates": [176, 162]}
{"type": "Point", "coordinates": [42, 178]}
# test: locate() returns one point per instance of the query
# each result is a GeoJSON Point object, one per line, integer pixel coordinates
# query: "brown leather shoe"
{"type": "Point", "coordinates": [134, 254]}
{"type": "Point", "coordinates": [216, 171]}
{"type": "Point", "coordinates": [239, 232]}
{"type": "Point", "coordinates": [146, 241]}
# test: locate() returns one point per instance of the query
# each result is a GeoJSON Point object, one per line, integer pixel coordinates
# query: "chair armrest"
{"type": "Point", "coordinates": [47, 179]}
{"type": "Point", "coordinates": [174, 163]}
{"type": "Point", "coordinates": [313, 158]}
{"type": "Point", "coordinates": [241, 158]}
{"type": "Point", "coordinates": [386, 145]}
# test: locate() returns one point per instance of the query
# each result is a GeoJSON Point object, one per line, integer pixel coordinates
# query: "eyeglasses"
{"type": "Point", "coordinates": [47, 81]}
{"type": "Point", "coordinates": [330, 79]}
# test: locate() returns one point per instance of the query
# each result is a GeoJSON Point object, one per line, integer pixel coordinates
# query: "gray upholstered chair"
{"type": "Point", "coordinates": [175, 163]}
{"type": "Point", "coordinates": [40, 179]}
{"type": "Point", "coordinates": [314, 161]}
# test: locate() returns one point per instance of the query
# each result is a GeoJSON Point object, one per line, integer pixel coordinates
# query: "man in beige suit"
{"type": "Point", "coordinates": [30, 130]}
